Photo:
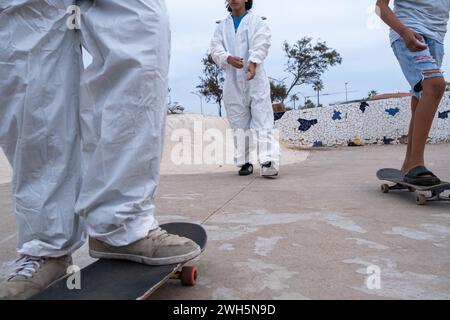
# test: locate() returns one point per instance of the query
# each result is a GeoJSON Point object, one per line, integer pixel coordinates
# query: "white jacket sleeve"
{"type": "Point", "coordinates": [260, 43]}
{"type": "Point", "coordinates": [218, 51]}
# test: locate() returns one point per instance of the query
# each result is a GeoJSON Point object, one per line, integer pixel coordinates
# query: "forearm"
{"type": "Point", "coordinates": [260, 49]}
{"type": "Point", "coordinates": [389, 17]}
{"type": "Point", "coordinates": [220, 57]}
{"type": "Point", "coordinates": [219, 54]}
{"type": "Point", "coordinates": [261, 43]}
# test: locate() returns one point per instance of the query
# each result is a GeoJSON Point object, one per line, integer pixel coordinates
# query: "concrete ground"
{"type": "Point", "coordinates": [310, 234]}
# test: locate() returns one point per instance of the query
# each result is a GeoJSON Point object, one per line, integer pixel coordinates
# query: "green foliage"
{"type": "Point", "coordinates": [211, 84]}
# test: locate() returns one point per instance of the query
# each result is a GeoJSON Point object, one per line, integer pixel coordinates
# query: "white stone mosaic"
{"type": "Point", "coordinates": [382, 121]}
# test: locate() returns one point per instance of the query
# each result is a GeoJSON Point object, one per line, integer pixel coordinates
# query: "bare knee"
{"type": "Point", "coordinates": [434, 86]}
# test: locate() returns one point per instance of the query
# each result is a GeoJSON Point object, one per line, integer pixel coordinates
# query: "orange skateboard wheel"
{"type": "Point", "coordinates": [189, 276]}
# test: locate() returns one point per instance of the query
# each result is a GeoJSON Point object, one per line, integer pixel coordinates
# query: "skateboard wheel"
{"type": "Point", "coordinates": [410, 189]}
{"type": "Point", "coordinates": [189, 276]}
{"type": "Point", "coordinates": [385, 188]}
{"type": "Point", "coordinates": [421, 200]}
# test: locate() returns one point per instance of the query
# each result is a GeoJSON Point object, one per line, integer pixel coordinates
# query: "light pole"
{"type": "Point", "coordinates": [201, 100]}
{"type": "Point", "coordinates": [302, 96]}
{"type": "Point", "coordinates": [346, 92]}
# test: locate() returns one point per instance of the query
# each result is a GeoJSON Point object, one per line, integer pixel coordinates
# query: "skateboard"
{"type": "Point", "coordinates": [397, 177]}
{"type": "Point", "coordinates": [126, 280]}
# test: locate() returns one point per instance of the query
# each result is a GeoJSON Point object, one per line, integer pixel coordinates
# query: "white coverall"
{"type": "Point", "coordinates": [247, 103]}
{"type": "Point", "coordinates": [85, 144]}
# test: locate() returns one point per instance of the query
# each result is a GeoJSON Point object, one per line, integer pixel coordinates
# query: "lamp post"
{"type": "Point", "coordinates": [201, 100]}
{"type": "Point", "coordinates": [302, 96]}
{"type": "Point", "coordinates": [346, 92]}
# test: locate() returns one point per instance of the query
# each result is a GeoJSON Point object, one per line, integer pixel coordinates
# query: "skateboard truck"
{"type": "Point", "coordinates": [385, 188]}
{"type": "Point", "coordinates": [421, 199]}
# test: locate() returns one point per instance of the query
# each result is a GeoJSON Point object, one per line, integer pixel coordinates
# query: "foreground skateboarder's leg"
{"type": "Point", "coordinates": [123, 113]}
{"type": "Point", "coordinates": [38, 132]}
{"type": "Point", "coordinates": [420, 52]}
{"type": "Point", "coordinates": [422, 69]}
{"type": "Point", "coordinates": [406, 163]}
{"type": "Point", "coordinates": [433, 90]}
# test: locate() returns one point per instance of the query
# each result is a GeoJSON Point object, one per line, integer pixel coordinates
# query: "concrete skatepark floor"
{"type": "Point", "coordinates": [310, 234]}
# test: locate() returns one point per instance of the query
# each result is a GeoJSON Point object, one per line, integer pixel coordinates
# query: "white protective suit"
{"type": "Point", "coordinates": [85, 144]}
{"type": "Point", "coordinates": [248, 103]}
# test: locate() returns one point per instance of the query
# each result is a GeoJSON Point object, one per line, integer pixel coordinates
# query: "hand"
{"type": "Point", "coordinates": [414, 41]}
{"type": "Point", "coordinates": [236, 62]}
{"type": "Point", "coordinates": [251, 69]}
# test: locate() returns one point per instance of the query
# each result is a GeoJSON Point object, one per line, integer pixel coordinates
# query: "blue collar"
{"type": "Point", "coordinates": [237, 21]}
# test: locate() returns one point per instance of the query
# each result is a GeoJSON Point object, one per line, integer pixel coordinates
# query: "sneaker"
{"type": "Point", "coordinates": [34, 275]}
{"type": "Point", "coordinates": [158, 248]}
{"type": "Point", "coordinates": [268, 170]}
{"type": "Point", "coordinates": [246, 170]}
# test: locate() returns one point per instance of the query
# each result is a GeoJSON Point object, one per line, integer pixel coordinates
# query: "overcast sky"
{"type": "Point", "coordinates": [349, 26]}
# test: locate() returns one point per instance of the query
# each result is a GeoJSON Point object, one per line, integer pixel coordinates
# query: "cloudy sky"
{"type": "Point", "coordinates": [349, 26]}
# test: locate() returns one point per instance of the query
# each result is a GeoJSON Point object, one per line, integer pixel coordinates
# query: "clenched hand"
{"type": "Point", "coordinates": [236, 62]}
{"type": "Point", "coordinates": [251, 69]}
{"type": "Point", "coordinates": [414, 41]}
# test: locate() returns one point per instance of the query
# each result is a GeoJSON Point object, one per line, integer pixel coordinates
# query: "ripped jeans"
{"type": "Point", "coordinates": [417, 66]}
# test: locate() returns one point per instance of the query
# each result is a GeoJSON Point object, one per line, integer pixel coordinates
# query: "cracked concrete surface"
{"type": "Point", "coordinates": [310, 234]}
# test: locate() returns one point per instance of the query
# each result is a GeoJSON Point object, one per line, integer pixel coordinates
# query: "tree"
{"type": "Point", "coordinates": [318, 86]}
{"type": "Point", "coordinates": [211, 85]}
{"type": "Point", "coordinates": [309, 104]}
{"type": "Point", "coordinates": [307, 62]}
{"type": "Point", "coordinates": [372, 93]}
{"type": "Point", "coordinates": [278, 91]}
{"type": "Point", "coordinates": [294, 99]}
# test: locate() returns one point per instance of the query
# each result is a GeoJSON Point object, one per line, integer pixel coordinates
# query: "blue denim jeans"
{"type": "Point", "coordinates": [416, 64]}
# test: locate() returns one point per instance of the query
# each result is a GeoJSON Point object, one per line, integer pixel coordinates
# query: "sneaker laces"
{"type": "Point", "coordinates": [158, 234]}
{"type": "Point", "coordinates": [27, 268]}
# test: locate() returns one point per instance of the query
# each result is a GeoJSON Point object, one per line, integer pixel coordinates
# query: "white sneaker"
{"type": "Point", "coordinates": [268, 170]}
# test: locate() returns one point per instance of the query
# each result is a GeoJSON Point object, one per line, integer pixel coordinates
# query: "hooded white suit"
{"type": "Point", "coordinates": [84, 144]}
{"type": "Point", "coordinates": [248, 103]}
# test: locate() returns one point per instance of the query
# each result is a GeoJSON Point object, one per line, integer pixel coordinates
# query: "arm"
{"type": "Point", "coordinates": [220, 55]}
{"type": "Point", "coordinates": [259, 49]}
{"type": "Point", "coordinates": [413, 40]}
{"type": "Point", "coordinates": [260, 43]}
{"type": "Point", "coordinates": [218, 52]}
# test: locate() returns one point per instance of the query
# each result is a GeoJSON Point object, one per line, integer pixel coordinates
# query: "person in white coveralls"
{"type": "Point", "coordinates": [85, 144]}
{"type": "Point", "coordinates": [240, 45]}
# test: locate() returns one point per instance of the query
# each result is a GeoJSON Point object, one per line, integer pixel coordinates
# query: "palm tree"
{"type": "Point", "coordinates": [294, 98]}
{"type": "Point", "coordinates": [318, 86]}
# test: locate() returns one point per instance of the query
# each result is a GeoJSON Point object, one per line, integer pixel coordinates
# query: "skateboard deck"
{"type": "Point", "coordinates": [126, 280]}
{"type": "Point", "coordinates": [397, 177]}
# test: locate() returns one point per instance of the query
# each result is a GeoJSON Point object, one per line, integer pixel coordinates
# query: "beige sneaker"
{"type": "Point", "coordinates": [33, 276]}
{"type": "Point", "coordinates": [158, 248]}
